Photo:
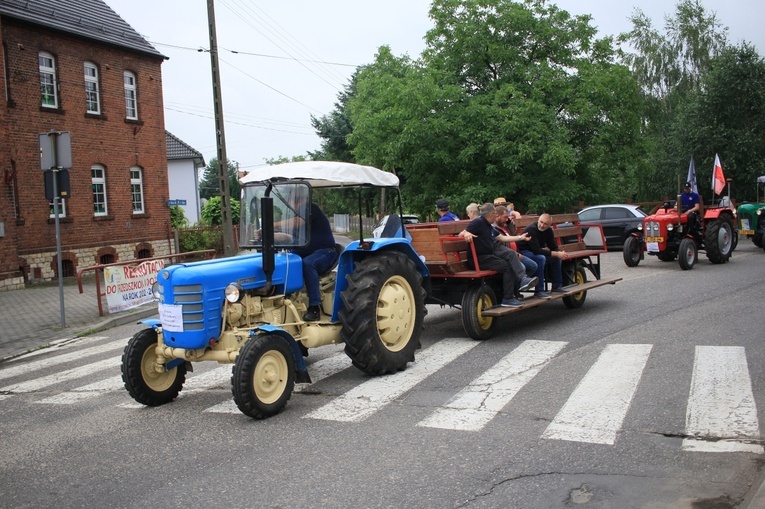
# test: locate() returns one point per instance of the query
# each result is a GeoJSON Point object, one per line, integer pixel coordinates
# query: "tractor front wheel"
{"type": "Point", "coordinates": [688, 254]}
{"type": "Point", "coordinates": [474, 301]}
{"type": "Point", "coordinates": [383, 313]}
{"type": "Point", "coordinates": [146, 379]}
{"type": "Point", "coordinates": [631, 251]}
{"type": "Point", "coordinates": [263, 376]}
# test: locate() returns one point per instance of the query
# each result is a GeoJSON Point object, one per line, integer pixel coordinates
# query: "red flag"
{"type": "Point", "coordinates": [718, 179]}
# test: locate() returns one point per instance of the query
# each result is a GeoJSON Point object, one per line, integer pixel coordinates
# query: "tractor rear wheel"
{"type": "Point", "coordinates": [688, 254]}
{"type": "Point", "coordinates": [145, 379]}
{"type": "Point", "coordinates": [631, 251]}
{"type": "Point", "coordinates": [383, 313]}
{"type": "Point", "coordinates": [718, 240]}
{"type": "Point", "coordinates": [474, 301]}
{"type": "Point", "coordinates": [263, 376]}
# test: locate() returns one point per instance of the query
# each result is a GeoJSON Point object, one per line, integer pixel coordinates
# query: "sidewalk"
{"type": "Point", "coordinates": [31, 318]}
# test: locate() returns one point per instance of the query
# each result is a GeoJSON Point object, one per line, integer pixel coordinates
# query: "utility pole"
{"type": "Point", "coordinates": [220, 138]}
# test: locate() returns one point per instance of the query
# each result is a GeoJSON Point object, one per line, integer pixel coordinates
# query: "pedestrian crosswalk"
{"type": "Point", "coordinates": [721, 413]}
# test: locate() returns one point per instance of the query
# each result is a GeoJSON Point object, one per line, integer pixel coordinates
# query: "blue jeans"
{"type": "Point", "coordinates": [530, 266]}
{"type": "Point", "coordinates": [556, 271]}
{"type": "Point", "coordinates": [318, 262]}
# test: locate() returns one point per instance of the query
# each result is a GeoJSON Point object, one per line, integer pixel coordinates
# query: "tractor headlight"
{"type": "Point", "coordinates": [155, 290]}
{"type": "Point", "coordinates": [640, 227]}
{"type": "Point", "coordinates": [759, 212]}
{"type": "Point", "coordinates": [670, 227]}
{"type": "Point", "coordinates": [234, 292]}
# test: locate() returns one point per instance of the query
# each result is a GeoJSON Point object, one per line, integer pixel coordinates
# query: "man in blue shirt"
{"type": "Point", "coordinates": [691, 204]}
{"type": "Point", "coordinates": [442, 207]}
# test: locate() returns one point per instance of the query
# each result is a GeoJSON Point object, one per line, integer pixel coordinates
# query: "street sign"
{"type": "Point", "coordinates": [55, 150]}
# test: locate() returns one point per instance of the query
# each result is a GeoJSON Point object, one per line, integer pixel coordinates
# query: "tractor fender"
{"type": "Point", "coordinates": [154, 323]}
{"type": "Point", "coordinates": [300, 365]}
{"type": "Point", "coordinates": [358, 251]}
{"type": "Point", "coordinates": [715, 213]}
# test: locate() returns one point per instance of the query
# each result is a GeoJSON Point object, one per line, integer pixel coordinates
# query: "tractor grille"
{"type": "Point", "coordinates": [652, 229]}
{"type": "Point", "coordinates": [190, 298]}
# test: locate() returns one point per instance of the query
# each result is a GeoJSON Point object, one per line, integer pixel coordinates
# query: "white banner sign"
{"type": "Point", "coordinates": [129, 286]}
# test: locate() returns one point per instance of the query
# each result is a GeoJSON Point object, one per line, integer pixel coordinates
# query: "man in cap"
{"type": "Point", "coordinates": [442, 207]}
{"type": "Point", "coordinates": [691, 204]}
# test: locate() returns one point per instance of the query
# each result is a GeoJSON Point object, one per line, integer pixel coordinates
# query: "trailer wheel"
{"type": "Point", "coordinates": [631, 251]}
{"type": "Point", "coordinates": [142, 380]}
{"type": "Point", "coordinates": [263, 376]}
{"type": "Point", "coordinates": [474, 301]}
{"type": "Point", "coordinates": [576, 300]}
{"type": "Point", "coordinates": [688, 254]}
{"type": "Point", "coordinates": [383, 313]}
{"type": "Point", "coordinates": [718, 240]}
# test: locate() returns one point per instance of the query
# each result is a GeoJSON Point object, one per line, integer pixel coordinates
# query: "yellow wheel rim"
{"type": "Point", "coordinates": [396, 313]}
{"type": "Point", "coordinates": [157, 381]}
{"type": "Point", "coordinates": [270, 377]}
{"type": "Point", "coordinates": [484, 302]}
{"type": "Point", "coordinates": [579, 279]}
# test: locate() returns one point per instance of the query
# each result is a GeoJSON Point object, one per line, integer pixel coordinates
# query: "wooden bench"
{"type": "Point", "coordinates": [446, 254]}
{"type": "Point", "coordinates": [568, 234]}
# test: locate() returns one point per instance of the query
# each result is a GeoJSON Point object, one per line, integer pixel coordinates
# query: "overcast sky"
{"type": "Point", "coordinates": [282, 61]}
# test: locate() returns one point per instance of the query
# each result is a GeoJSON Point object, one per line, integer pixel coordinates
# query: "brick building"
{"type": "Point", "coordinates": [76, 66]}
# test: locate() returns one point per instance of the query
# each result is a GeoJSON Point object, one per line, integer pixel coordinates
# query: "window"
{"type": "Point", "coordinates": [98, 185]}
{"type": "Point", "coordinates": [61, 208]}
{"type": "Point", "coordinates": [616, 213]}
{"type": "Point", "coordinates": [590, 215]}
{"type": "Point", "coordinates": [92, 98]}
{"type": "Point", "coordinates": [131, 101]}
{"type": "Point", "coordinates": [48, 80]}
{"type": "Point", "coordinates": [136, 189]}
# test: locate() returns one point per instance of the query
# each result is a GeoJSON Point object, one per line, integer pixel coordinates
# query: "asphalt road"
{"type": "Point", "coordinates": [600, 407]}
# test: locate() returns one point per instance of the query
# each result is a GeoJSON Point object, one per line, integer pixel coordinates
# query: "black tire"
{"type": "Point", "coordinates": [688, 254]}
{"type": "Point", "coordinates": [667, 256]}
{"type": "Point", "coordinates": [576, 300]}
{"type": "Point", "coordinates": [144, 383]}
{"type": "Point", "coordinates": [263, 376]}
{"type": "Point", "coordinates": [757, 239]}
{"type": "Point", "coordinates": [631, 251]}
{"type": "Point", "coordinates": [718, 240]}
{"type": "Point", "coordinates": [474, 301]}
{"type": "Point", "coordinates": [383, 313]}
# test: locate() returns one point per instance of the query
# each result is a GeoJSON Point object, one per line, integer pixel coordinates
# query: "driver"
{"type": "Point", "coordinates": [691, 204]}
{"type": "Point", "coordinates": [318, 257]}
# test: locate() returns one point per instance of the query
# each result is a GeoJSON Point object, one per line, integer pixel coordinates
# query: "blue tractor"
{"type": "Point", "coordinates": [247, 309]}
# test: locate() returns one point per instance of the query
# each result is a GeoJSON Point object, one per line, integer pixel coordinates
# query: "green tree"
{"type": "Point", "coordinates": [669, 67]}
{"type": "Point", "coordinates": [209, 184]}
{"type": "Point", "coordinates": [178, 218]}
{"type": "Point", "coordinates": [335, 127]}
{"type": "Point", "coordinates": [726, 116]}
{"type": "Point", "coordinates": [510, 98]}
{"type": "Point", "coordinates": [211, 213]}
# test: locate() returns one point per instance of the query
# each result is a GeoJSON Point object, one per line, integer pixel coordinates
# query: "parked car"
{"type": "Point", "coordinates": [617, 220]}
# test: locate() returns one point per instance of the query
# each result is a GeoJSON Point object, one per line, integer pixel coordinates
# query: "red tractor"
{"type": "Point", "coordinates": [665, 235]}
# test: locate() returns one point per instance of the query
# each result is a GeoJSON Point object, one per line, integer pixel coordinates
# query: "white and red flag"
{"type": "Point", "coordinates": [718, 178]}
